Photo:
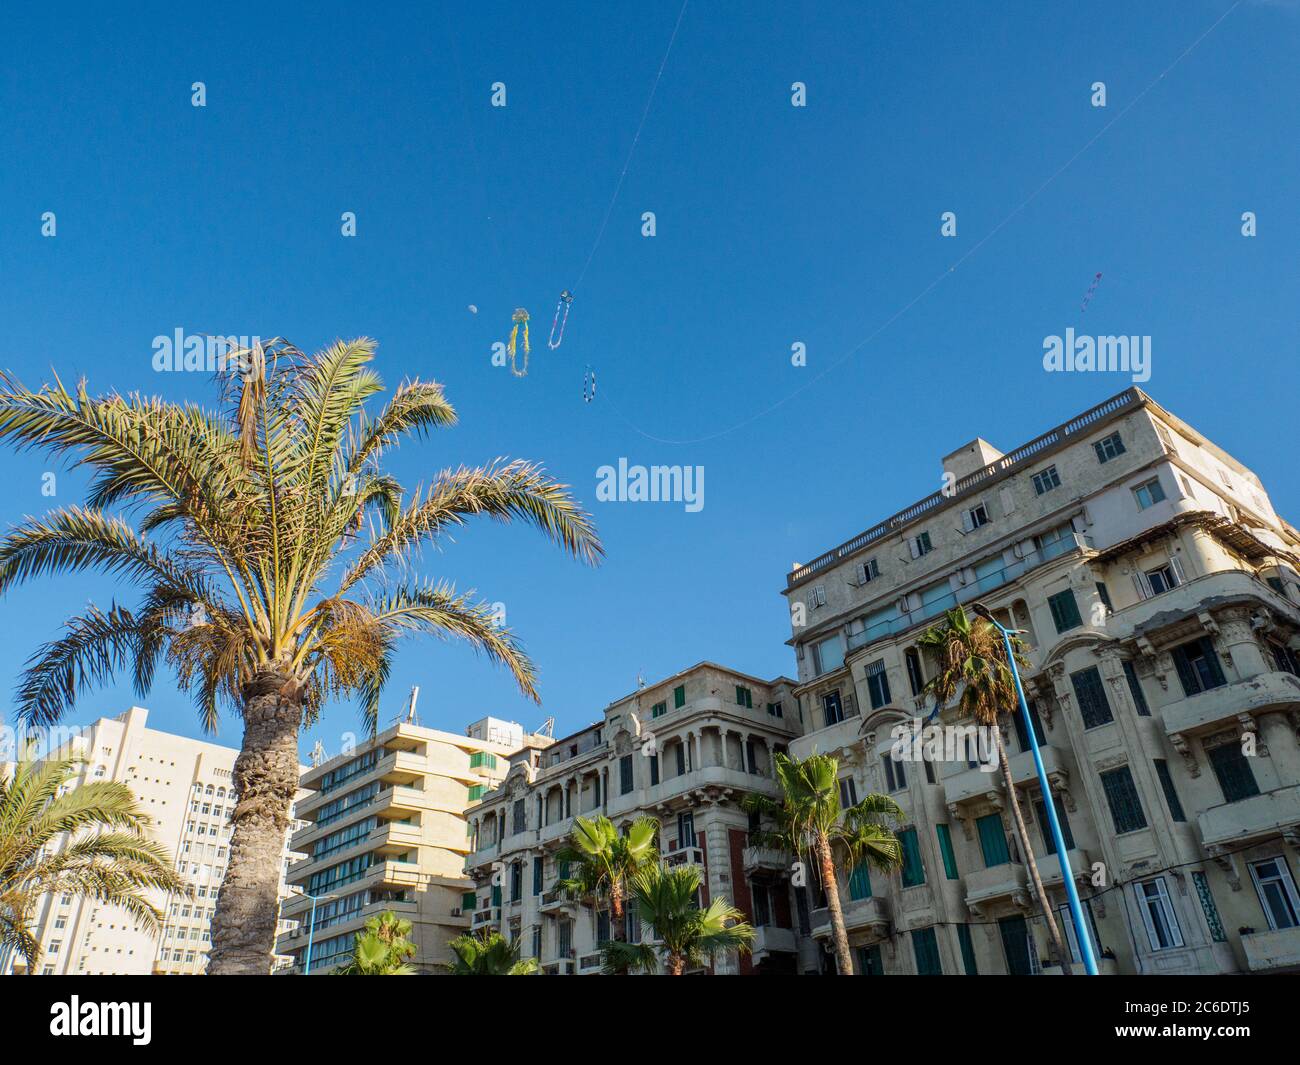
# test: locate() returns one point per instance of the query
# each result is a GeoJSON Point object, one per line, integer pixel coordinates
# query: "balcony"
{"type": "Point", "coordinates": [972, 785]}
{"type": "Point", "coordinates": [485, 918]}
{"type": "Point", "coordinates": [400, 874]}
{"type": "Point", "coordinates": [400, 800]}
{"type": "Point", "coordinates": [1004, 883]}
{"type": "Point", "coordinates": [684, 856]}
{"type": "Point", "coordinates": [556, 901]}
{"type": "Point", "coordinates": [395, 837]}
{"type": "Point", "coordinates": [1105, 967]}
{"type": "Point", "coordinates": [770, 940]}
{"type": "Point", "coordinates": [1049, 867]}
{"type": "Point", "coordinates": [401, 767]}
{"type": "Point", "coordinates": [765, 859]}
{"type": "Point", "coordinates": [560, 967]}
{"type": "Point", "coordinates": [589, 964]}
{"type": "Point", "coordinates": [1271, 952]}
{"type": "Point", "coordinates": [870, 915]}
{"type": "Point", "coordinates": [1220, 706]}
{"type": "Point", "coordinates": [1269, 814]}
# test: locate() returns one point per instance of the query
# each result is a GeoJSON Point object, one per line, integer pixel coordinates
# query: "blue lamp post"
{"type": "Point", "coordinates": [311, 924]}
{"type": "Point", "coordinates": [1081, 928]}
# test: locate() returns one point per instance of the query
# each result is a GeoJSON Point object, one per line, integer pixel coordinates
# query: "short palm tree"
{"type": "Point", "coordinates": [602, 862]}
{"type": "Point", "coordinates": [90, 841]}
{"type": "Point", "coordinates": [382, 948]}
{"type": "Point", "coordinates": [809, 822]}
{"type": "Point", "coordinates": [274, 556]}
{"type": "Point", "coordinates": [972, 661]}
{"type": "Point", "coordinates": [688, 936]}
{"type": "Point", "coordinates": [489, 954]}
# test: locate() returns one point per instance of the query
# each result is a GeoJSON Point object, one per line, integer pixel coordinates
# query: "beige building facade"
{"type": "Point", "coordinates": [184, 786]}
{"type": "Point", "coordinates": [1157, 591]}
{"type": "Point", "coordinates": [384, 828]}
{"type": "Point", "coordinates": [684, 751]}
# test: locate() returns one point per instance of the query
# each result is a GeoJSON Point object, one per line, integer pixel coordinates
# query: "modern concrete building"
{"type": "Point", "coordinates": [1157, 591]}
{"type": "Point", "coordinates": [184, 785]}
{"type": "Point", "coordinates": [683, 750]}
{"type": "Point", "coordinates": [385, 829]}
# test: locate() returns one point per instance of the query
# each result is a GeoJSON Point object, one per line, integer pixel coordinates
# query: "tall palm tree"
{"type": "Point", "coordinates": [602, 862]}
{"type": "Point", "coordinates": [490, 954]}
{"type": "Point", "coordinates": [382, 948]}
{"type": "Point", "coordinates": [274, 557]}
{"type": "Point", "coordinates": [972, 661]}
{"type": "Point", "coordinates": [810, 823]}
{"type": "Point", "coordinates": [90, 841]}
{"type": "Point", "coordinates": [689, 937]}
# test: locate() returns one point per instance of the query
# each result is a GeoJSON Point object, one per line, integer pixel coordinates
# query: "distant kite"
{"type": "Point", "coordinates": [520, 317]}
{"type": "Point", "coordinates": [1087, 299]}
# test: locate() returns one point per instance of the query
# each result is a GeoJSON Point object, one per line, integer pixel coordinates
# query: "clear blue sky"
{"type": "Point", "coordinates": [775, 224]}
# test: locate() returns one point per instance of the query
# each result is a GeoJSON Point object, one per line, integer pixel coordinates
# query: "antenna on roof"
{"type": "Point", "coordinates": [318, 753]}
{"type": "Point", "coordinates": [412, 718]}
{"type": "Point", "coordinates": [548, 728]}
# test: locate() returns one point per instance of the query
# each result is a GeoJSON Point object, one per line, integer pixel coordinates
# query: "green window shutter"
{"type": "Point", "coordinates": [496, 895]}
{"type": "Point", "coordinates": [870, 962]}
{"type": "Point", "coordinates": [679, 696]}
{"type": "Point", "coordinates": [1171, 795]}
{"type": "Point", "coordinates": [482, 759]}
{"type": "Point", "coordinates": [945, 848]}
{"type": "Point", "coordinates": [564, 870]}
{"type": "Point", "coordinates": [659, 709]}
{"type": "Point", "coordinates": [467, 901]}
{"type": "Point", "coordinates": [476, 792]}
{"type": "Point", "coordinates": [913, 868]}
{"type": "Point", "coordinates": [967, 950]}
{"type": "Point", "coordinates": [1094, 707]}
{"type": "Point", "coordinates": [860, 883]}
{"type": "Point", "coordinates": [926, 947]}
{"type": "Point", "coordinates": [993, 840]}
{"type": "Point", "coordinates": [1065, 610]}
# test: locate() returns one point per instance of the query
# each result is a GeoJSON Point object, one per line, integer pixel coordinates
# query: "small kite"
{"type": "Point", "coordinates": [1087, 299]}
{"type": "Point", "coordinates": [561, 317]}
{"type": "Point", "coordinates": [520, 317]}
{"type": "Point", "coordinates": [588, 385]}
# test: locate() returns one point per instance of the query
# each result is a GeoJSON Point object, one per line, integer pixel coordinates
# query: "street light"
{"type": "Point", "coordinates": [311, 921]}
{"type": "Point", "coordinates": [1081, 929]}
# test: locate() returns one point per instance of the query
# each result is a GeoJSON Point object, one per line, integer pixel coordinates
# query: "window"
{"type": "Point", "coordinates": [477, 760]}
{"type": "Point", "coordinates": [1018, 721]}
{"type": "Point", "coordinates": [913, 868]}
{"type": "Point", "coordinates": [538, 865]}
{"type": "Point", "coordinates": [1094, 708]}
{"type": "Point", "coordinates": [848, 792]}
{"type": "Point", "coordinates": [1135, 689]}
{"type": "Point", "coordinates": [658, 710]}
{"type": "Point", "coordinates": [679, 696]}
{"type": "Point", "coordinates": [921, 545]}
{"type": "Point", "coordinates": [761, 894]}
{"type": "Point", "coordinates": [1167, 785]}
{"type": "Point", "coordinates": [1065, 920]}
{"type": "Point", "coordinates": [915, 677]}
{"type": "Point", "coordinates": [1149, 493]}
{"type": "Point", "coordinates": [1277, 893]}
{"type": "Point", "coordinates": [1198, 666]}
{"type": "Point", "coordinates": [975, 518]}
{"type": "Point", "coordinates": [993, 840]}
{"type": "Point", "coordinates": [816, 596]}
{"type": "Point", "coordinates": [1232, 768]}
{"type": "Point", "coordinates": [828, 654]}
{"type": "Point", "coordinates": [1158, 914]}
{"type": "Point", "coordinates": [519, 817]}
{"type": "Point", "coordinates": [1161, 579]}
{"type": "Point", "coordinates": [1046, 480]}
{"type": "Point", "coordinates": [1122, 797]}
{"type": "Point", "coordinates": [868, 571]}
{"type": "Point", "coordinates": [1109, 447]}
{"type": "Point", "coordinates": [686, 830]}
{"type": "Point", "coordinates": [945, 849]}
{"type": "Point", "coordinates": [1103, 593]}
{"type": "Point", "coordinates": [1065, 610]}
{"type": "Point", "coordinates": [680, 751]}
{"type": "Point", "coordinates": [1045, 827]}
{"type": "Point", "coordinates": [878, 684]}
{"type": "Point", "coordinates": [832, 708]}
{"type": "Point", "coordinates": [654, 770]}
{"type": "Point", "coordinates": [925, 946]}
{"type": "Point", "coordinates": [860, 882]}
{"type": "Point", "coordinates": [602, 927]}
{"type": "Point", "coordinates": [625, 774]}
{"type": "Point", "coordinates": [870, 962]}
{"type": "Point", "coordinates": [967, 950]}
{"type": "Point", "coordinates": [775, 710]}
{"type": "Point", "coordinates": [895, 775]}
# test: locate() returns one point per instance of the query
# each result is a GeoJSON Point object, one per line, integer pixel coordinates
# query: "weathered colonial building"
{"type": "Point", "coordinates": [683, 750]}
{"type": "Point", "coordinates": [1157, 592]}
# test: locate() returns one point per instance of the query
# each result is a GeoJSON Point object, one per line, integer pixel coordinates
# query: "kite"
{"type": "Point", "coordinates": [566, 300]}
{"type": "Point", "coordinates": [1088, 295]}
{"type": "Point", "coordinates": [588, 385]}
{"type": "Point", "coordinates": [520, 317]}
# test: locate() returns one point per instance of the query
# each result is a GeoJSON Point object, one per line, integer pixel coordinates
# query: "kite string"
{"type": "Point", "coordinates": [618, 187]}
{"type": "Point", "coordinates": [951, 269]}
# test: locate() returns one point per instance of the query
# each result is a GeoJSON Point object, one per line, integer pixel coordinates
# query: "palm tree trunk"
{"type": "Point", "coordinates": [844, 960]}
{"type": "Point", "coordinates": [676, 965]}
{"type": "Point", "coordinates": [1053, 933]}
{"type": "Point", "coordinates": [265, 782]}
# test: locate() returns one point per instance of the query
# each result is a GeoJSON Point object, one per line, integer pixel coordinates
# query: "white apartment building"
{"type": "Point", "coordinates": [184, 785]}
{"type": "Point", "coordinates": [683, 750]}
{"type": "Point", "coordinates": [383, 828]}
{"type": "Point", "coordinates": [1157, 592]}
